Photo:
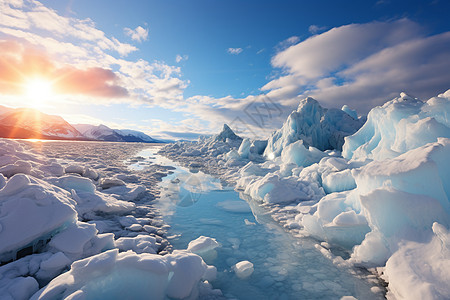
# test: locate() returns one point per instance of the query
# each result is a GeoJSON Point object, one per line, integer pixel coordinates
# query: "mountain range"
{"type": "Point", "coordinates": [28, 123]}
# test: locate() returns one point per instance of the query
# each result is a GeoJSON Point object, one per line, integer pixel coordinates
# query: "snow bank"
{"type": "Point", "coordinates": [114, 275]}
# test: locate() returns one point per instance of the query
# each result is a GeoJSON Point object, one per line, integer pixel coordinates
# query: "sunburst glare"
{"type": "Point", "coordinates": [38, 91]}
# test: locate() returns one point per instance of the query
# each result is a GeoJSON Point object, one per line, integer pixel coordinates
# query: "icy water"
{"type": "Point", "coordinates": [285, 267]}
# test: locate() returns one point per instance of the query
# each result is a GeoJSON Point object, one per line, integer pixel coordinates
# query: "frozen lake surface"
{"type": "Point", "coordinates": [195, 204]}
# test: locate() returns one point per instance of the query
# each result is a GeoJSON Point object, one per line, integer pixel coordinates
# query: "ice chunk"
{"type": "Point", "coordinates": [244, 148]}
{"type": "Point", "coordinates": [138, 244]}
{"type": "Point", "coordinates": [73, 239]}
{"type": "Point", "coordinates": [128, 192]}
{"type": "Point", "coordinates": [243, 269]}
{"type": "Point", "coordinates": [202, 244]}
{"type": "Point", "coordinates": [41, 211]}
{"type": "Point", "coordinates": [338, 181]}
{"type": "Point", "coordinates": [72, 182]}
{"type": "Point", "coordinates": [106, 183]}
{"type": "Point", "coordinates": [53, 266]}
{"type": "Point", "coordinates": [298, 154]}
{"type": "Point", "coordinates": [205, 247]}
{"type": "Point", "coordinates": [113, 275]}
{"type": "Point", "coordinates": [19, 166]}
{"type": "Point", "coordinates": [21, 288]}
{"type": "Point", "coordinates": [275, 189]}
{"type": "Point", "coordinates": [77, 169]}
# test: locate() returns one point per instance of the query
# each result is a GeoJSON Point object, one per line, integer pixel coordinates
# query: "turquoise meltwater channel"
{"type": "Point", "coordinates": [196, 204]}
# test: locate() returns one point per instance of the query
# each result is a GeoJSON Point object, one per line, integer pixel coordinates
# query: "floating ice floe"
{"type": "Point", "coordinates": [243, 269]}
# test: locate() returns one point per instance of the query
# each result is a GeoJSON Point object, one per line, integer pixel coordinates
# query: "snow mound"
{"type": "Point", "coordinates": [127, 275]}
{"type": "Point", "coordinates": [398, 126]}
{"type": "Point", "coordinates": [321, 128]}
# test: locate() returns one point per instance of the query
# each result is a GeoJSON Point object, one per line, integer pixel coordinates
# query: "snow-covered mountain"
{"type": "Point", "coordinates": [104, 133]}
{"type": "Point", "coordinates": [100, 132]}
{"type": "Point", "coordinates": [135, 136]}
{"type": "Point", "coordinates": [28, 123]}
{"type": "Point", "coordinates": [31, 123]}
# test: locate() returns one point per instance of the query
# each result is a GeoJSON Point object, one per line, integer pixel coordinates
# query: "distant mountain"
{"type": "Point", "coordinates": [135, 136]}
{"type": "Point", "coordinates": [31, 123]}
{"type": "Point", "coordinates": [104, 133]}
{"type": "Point", "coordinates": [100, 132]}
{"type": "Point", "coordinates": [28, 123]}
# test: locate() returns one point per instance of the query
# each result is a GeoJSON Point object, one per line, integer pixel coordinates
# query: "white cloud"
{"type": "Point", "coordinates": [180, 58]}
{"type": "Point", "coordinates": [316, 29]}
{"type": "Point", "coordinates": [287, 43]}
{"type": "Point", "coordinates": [79, 43]}
{"type": "Point", "coordinates": [139, 34]}
{"type": "Point", "coordinates": [364, 65]}
{"type": "Point", "coordinates": [234, 51]}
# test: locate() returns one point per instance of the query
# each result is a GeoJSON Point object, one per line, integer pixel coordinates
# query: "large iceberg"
{"type": "Point", "coordinates": [316, 126]}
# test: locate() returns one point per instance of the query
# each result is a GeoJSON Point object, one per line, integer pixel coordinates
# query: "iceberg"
{"type": "Point", "coordinates": [316, 126]}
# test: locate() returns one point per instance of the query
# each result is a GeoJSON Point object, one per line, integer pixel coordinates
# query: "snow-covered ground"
{"type": "Point", "coordinates": [384, 198]}
{"type": "Point", "coordinates": [76, 209]}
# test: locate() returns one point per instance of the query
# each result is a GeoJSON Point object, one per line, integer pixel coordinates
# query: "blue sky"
{"type": "Point", "coordinates": [229, 52]}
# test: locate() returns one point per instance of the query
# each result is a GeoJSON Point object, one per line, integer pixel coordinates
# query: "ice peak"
{"type": "Point", "coordinates": [405, 97]}
{"type": "Point", "coordinates": [227, 133]}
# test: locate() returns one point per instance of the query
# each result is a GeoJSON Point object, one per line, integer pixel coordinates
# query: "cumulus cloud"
{"type": "Point", "coordinates": [234, 51]}
{"type": "Point", "coordinates": [139, 34]}
{"type": "Point", "coordinates": [70, 42]}
{"type": "Point", "coordinates": [364, 65]}
{"type": "Point", "coordinates": [33, 14]}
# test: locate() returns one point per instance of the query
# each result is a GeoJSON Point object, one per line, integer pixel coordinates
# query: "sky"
{"type": "Point", "coordinates": [178, 69]}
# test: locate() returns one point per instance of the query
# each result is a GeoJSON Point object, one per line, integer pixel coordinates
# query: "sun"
{"type": "Point", "coordinates": [38, 91]}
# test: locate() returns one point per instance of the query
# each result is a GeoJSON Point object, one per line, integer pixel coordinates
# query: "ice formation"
{"type": "Point", "coordinates": [316, 126]}
{"type": "Point", "coordinates": [385, 199]}
{"type": "Point", "coordinates": [128, 275]}
{"type": "Point", "coordinates": [243, 269]}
